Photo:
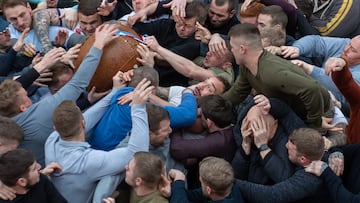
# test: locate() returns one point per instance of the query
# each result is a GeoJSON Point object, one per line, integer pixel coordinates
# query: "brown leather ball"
{"type": "Point", "coordinates": [119, 54]}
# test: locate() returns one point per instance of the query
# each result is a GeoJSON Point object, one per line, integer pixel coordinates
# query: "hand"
{"type": "Point", "coordinates": [104, 34]}
{"type": "Point", "coordinates": [273, 49]}
{"type": "Point", "coordinates": [44, 78]}
{"type": "Point", "coordinates": [331, 127]}
{"type": "Point", "coordinates": [61, 37]}
{"type": "Point", "coordinates": [217, 44]}
{"type": "Point", "coordinates": [19, 45]}
{"type": "Point", "coordinates": [125, 98]}
{"type": "Point", "coordinates": [152, 43]}
{"type": "Point", "coordinates": [246, 133]}
{"type": "Point", "coordinates": [108, 200]}
{"type": "Point", "coordinates": [316, 167]}
{"type": "Point", "coordinates": [146, 56]}
{"type": "Point", "coordinates": [37, 58]}
{"type": "Point", "coordinates": [290, 51]}
{"type": "Point", "coordinates": [106, 8]}
{"type": "Point", "coordinates": [263, 103]}
{"type": "Point", "coordinates": [178, 9]}
{"type": "Point", "coordinates": [202, 33]}
{"type": "Point", "coordinates": [261, 131]}
{"type": "Point", "coordinates": [334, 100]}
{"type": "Point", "coordinates": [118, 81]}
{"type": "Point", "coordinates": [334, 64]}
{"type": "Point", "coordinates": [53, 167]}
{"type": "Point", "coordinates": [165, 185]}
{"type": "Point", "coordinates": [336, 162]}
{"type": "Point", "coordinates": [328, 144]}
{"type": "Point", "coordinates": [94, 96]}
{"type": "Point", "coordinates": [308, 68]}
{"type": "Point", "coordinates": [139, 16]}
{"type": "Point", "coordinates": [28, 50]}
{"type": "Point", "coordinates": [71, 18]}
{"type": "Point", "coordinates": [142, 92]}
{"type": "Point", "coordinates": [50, 58]}
{"type": "Point", "coordinates": [71, 55]}
{"type": "Point", "coordinates": [245, 5]}
{"type": "Point", "coordinates": [6, 193]}
{"type": "Point", "coordinates": [127, 76]}
{"type": "Point", "coordinates": [175, 174]}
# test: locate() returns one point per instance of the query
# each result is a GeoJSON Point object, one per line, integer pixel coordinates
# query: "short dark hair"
{"type": "Point", "coordinates": [88, 7]}
{"type": "Point", "coordinates": [277, 14]}
{"type": "Point", "coordinates": [58, 69]}
{"type": "Point", "coordinates": [226, 83]}
{"type": "Point", "coordinates": [149, 167]}
{"type": "Point", "coordinates": [156, 114]}
{"type": "Point", "coordinates": [14, 165]}
{"type": "Point", "coordinates": [67, 118]}
{"type": "Point", "coordinates": [223, 2]}
{"type": "Point", "coordinates": [249, 34]}
{"type": "Point", "coordinates": [217, 109]}
{"type": "Point", "coordinates": [276, 37]}
{"type": "Point", "coordinates": [144, 72]}
{"type": "Point", "coordinates": [308, 142]}
{"type": "Point", "coordinates": [10, 130]}
{"type": "Point", "coordinates": [12, 3]}
{"type": "Point", "coordinates": [197, 10]}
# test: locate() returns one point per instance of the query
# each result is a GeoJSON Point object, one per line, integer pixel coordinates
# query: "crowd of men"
{"type": "Point", "coordinates": [252, 103]}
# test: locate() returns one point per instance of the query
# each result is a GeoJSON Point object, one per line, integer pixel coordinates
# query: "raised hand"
{"type": "Point", "coordinates": [334, 64]}
{"type": "Point", "coordinates": [142, 92]}
{"type": "Point", "coordinates": [104, 34]}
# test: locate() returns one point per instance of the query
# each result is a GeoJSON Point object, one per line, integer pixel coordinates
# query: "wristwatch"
{"type": "Point", "coordinates": [263, 147]}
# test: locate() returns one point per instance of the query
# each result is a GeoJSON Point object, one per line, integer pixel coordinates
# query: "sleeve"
{"type": "Point", "coordinates": [53, 195]}
{"type": "Point", "coordinates": [336, 189]}
{"type": "Point", "coordinates": [109, 163]}
{"type": "Point", "coordinates": [240, 90]}
{"type": "Point", "coordinates": [185, 113]}
{"type": "Point", "coordinates": [347, 85]}
{"type": "Point", "coordinates": [7, 59]}
{"type": "Point", "coordinates": [28, 77]}
{"type": "Point", "coordinates": [178, 192]}
{"type": "Point", "coordinates": [295, 188]}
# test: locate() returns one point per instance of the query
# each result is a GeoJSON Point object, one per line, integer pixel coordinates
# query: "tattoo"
{"type": "Point", "coordinates": [323, 167]}
{"type": "Point", "coordinates": [41, 23]}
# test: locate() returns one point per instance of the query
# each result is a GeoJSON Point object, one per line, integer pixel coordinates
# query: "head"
{"type": "Point", "coordinates": [220, 12]}
{"type": "Point", "coordinates": [5, 39]}
{"type": "Point", "coordinates": [18, 13]}
{"type": "Point", "coordinates": [219, 60]}
{"type": "Point", "coordinates": [195, 12]}
{"type": "Point", "coordinates": [216, 112]}
{"type": "Point", "coordinates": [272, 17]}
{"type": "Point", "coordinates": [89, 19]}
{"type": "Point", "coordinates": [210, 86]}
{"type": "Point", "coordinates": [351, 51]}
{"type": "Point", "coordinates": [144, 170]}
{"type": "Point", "coordinates": [61, 74]}
{"type": "Point", "coordinates": [255, 113]}
{"type": "Point", "coordinates": [52, 3]}
{"type": "Point", "coordinates": [272, 37]}
{"type": "Point", "coordinates": [304, 146]}
{"type": "Point", "coordinates": [24, 171]}
{"type": "Point", "coordinates": [11, 135]}
{"type": "Point", "coordinates": [144, 72]}
{"type": "Point", "coordinates": [244, 40]}
{"type": "Point", "coordinates": [216, 177]}
{"type": "Point", "coordinates": [159, 124]}
{"type": "Point", "coordinates": [140, 4]}
{"type": "Point", "coordinates": [68, 120]}
{"type": "Point", "coordinates": [13, 98]}
{"type": "Point", "coordinates": [250, 15]}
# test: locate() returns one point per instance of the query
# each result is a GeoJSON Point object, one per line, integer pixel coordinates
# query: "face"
{"type": "Point", "coordinates": [158, 138]}
{"type": "Point", "coordinates": [235, 44]}
{"type": "Point", "coordinates": [25, 100]}
{"type": "Point", "coordinates": [63, 79]}
{"type": "Point", "coordinates": [129, 168]}
{"type": "Point", "coordinates": [186, 28]}
{"type": "Point", "coordinates": [5, 39]}
{"type": "Point", "coordinates": [52, 3]}
{"type": "Point", "coordinates": [34, 175]}
{"type": "Point", "coordinates": [219, 15]}
{"type": "Point", "coordinates": [352, 51]}
{"type": "Point", "coordinates": [264, 21]}
{"type": "Point", "coordinates": [292, 152]}
{"type": "Point", "coordinates": [19, 16]}
{"type": "Point", "coordinates": [7, 145]}
{"type": "Point", "coordinates": [140, 4]}
{"type": "Point", "coordinates": [214, 60]}
{"type": "Point", "coordinates": [88, 24]}
{"type": "Point", "coordinates": [209, 86]}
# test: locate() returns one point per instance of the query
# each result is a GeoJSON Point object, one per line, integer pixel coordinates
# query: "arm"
{"type": "Point", "coordinates": [179, 192]}
{"type": "Point", "coordinates": [240, 90]}
{"type": "Point", "coordinates": [7, 59]}
{"type": "Point", "coordinates": [185, 113]}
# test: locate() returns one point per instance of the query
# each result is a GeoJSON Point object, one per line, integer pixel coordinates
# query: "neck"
{"type": "Point", "coordinates": [142, 190]}
{"type": "Point", "coordinates": [20, 190]}
{"type": "Point", "coordinates": [77, 138]}
{"type": "Point", "coordinates": [252, 61]}
{"type": "Point", "coordinates": [214, 128]}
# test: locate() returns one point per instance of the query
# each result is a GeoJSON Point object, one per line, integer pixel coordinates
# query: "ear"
{"type": "Point", "coordinates": [278, 26]}
{"type": "Point", "coordinates": [209, 123]}
{"type": "Point", "coordinates": [303, 160]}
{"type": "Point", "coordinates": [138, 181]}
{"type": "Point", "coordinates": [22, 182]}
{"type": "Point", "coordinates": [243, 48]}
{"type": "Point", "coordinates": [22, 107]}
{"type": "Point", "coordinates": [227, 65]}
{"type": "Point", "coordinates": [232, 13]}
{"type": "Point", "coordinates": [208, 190]}
{"type": "Point", "coordinates": [83, 124]}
